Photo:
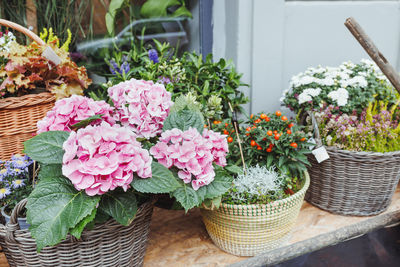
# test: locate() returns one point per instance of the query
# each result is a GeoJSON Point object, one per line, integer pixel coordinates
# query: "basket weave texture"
{"type": "Point", "coordinates": [18, 118]}
{"type": "Point", "coordinates": [108, 244]}
{"type": "Point", "coordinates": [248, 230]}
{"type": "Point", "coordinates": [354, 183]}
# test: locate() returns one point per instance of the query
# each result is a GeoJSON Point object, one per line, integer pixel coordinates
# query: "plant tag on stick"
{"type": "Point", "coordinates": [312, 141]}
{"type": "Point", "coordinates": [320, 154]}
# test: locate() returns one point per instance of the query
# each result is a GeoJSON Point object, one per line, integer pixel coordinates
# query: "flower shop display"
{"type": "Point", "coordinates": [15, 185]}
{"type": "Point", "coordinates": [360, 130]}
{"type": "Point", "coordinates": [212, 84]}
{"type": "Point", "coordinates": [262, 205]}
{"type": "Point", "coordinates": [30, 84]}
{"type": "Point", "coordinates": [97, 177]}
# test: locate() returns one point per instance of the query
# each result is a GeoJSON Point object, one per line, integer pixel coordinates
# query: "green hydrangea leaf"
{"type": "Point", "coordinates": [184, 119]}
{"type": "Point", "coordinates": [86, 122]}
{"type": "Point", "coordinates": [78, 229]}
{"type": "Point", "coordinates": [216, 188]}
{"type": "Point", "coordinates": [162, 181]}
{"type": "Point", "coordinates": [54, 207]}
{"type": "Point", "coordinates": [187, 197]}
{"type": "Point", "coordinates": [47, 147]}
{"type": "Point", "coordinates": [120, 205]}
{"type": "Point", "coordinates": [49, 171]}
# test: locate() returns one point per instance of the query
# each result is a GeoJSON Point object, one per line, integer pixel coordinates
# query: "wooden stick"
{"type": "Point", "coordinates": [373, 52]}
{"type": "Point", "coordinates": [31, 15]}
{"type": "Point", "coordinates": [238, 138]}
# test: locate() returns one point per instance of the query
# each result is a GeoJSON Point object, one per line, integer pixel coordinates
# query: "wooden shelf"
{"type": "Point", "coordinates": [179, 239]}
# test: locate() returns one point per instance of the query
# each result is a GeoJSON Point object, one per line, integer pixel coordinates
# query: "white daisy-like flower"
{"type": "Point", "coordinates": [4, 192]}
{"type": "Point", "coordinates": [341, 96]}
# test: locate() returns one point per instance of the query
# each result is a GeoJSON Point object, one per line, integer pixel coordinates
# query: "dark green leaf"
{"type": "Point", "coordinates": [86, 122]}
{"type": "Point", "coordinates": [216, 188]}
{"type": "Point", "coordinates": [49, 171]}
{"type": "Point", "coordinates": [162, 181]}
{"type": "Point", "coordinates": [187, 197]}
{"type": "Point", "coordinates": [77, 230]}
{"type": "Point", "coordinates": [184, 119]}
{"type": "Point", "coordinates": [47, 147]}
{"type": "Point", "coordinates": [234, 169]}
{"type": "Point", "coordinates": [54, 207]}
{"type": "Point", "coordinates": [182, 12]}
{"type": "Point", "coordinates": [122, 206]}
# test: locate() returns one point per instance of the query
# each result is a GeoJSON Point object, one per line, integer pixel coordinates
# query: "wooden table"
{"type": "Point", "coordinates": [179, 239]}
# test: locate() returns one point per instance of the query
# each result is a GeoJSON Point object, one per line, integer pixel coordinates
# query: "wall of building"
{"type": "Point", "coordinates": [270, 41]}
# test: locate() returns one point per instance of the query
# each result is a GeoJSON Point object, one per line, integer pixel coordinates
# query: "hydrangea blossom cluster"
{"type": "Point", "coordinates": [102, 157]}
{"type": "Point", "coordinates": [142, 106]}
{"type": "Point", "coordinates": [69, 111]}
{"type": "Point", "coordinates": [192, 154]}
{"type": "Point", "coordinates": [348, 86]}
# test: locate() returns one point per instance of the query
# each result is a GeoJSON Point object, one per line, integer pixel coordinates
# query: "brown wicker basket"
{"type": "Point", "coordinates": [353, 183]}
{"type": "Point", "coordinates": [18, 118]}
{"type": "Point", "coordinates": [108, 244]}
{"type": "Point", "coordinates": [19, 115]}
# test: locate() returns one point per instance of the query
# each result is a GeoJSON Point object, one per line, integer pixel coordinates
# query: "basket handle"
{"type": "Point", "coordinates": [23, 30]}
{"type": "Point", "coordinates": [317, 135]}
{"type": "Point", "coordinates": [13, 224]}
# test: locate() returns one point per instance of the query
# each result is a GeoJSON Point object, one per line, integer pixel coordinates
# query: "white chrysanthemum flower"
{"type": "Point", "coordinates": [341, 96]}
{"type": "Point", "coordinates": [304, 97]}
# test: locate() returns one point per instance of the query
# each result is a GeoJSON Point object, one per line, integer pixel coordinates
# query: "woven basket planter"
{"type": "Point", "coordinates": [18, 118]}
{"type": "Point", "coordinates": [108, 244]}
{"type": "Point", "coordinates": [354, 183]}
{"type": "Point", "coordinates": [248, 230]}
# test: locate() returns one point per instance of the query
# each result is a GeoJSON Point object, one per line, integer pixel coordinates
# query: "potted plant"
{"type": "Point", "coordinates": [212, 84]}
{"type": "Point", "coordinates": [356, 117]}
{"type": "Point", "coordinates": [261, 207]}
{"type": "Point", "coordinates": [30, 84]}
{"type": "Point", "coordinates": [16, 184]}
{"type": "Point", "coordinates": [98, 179]}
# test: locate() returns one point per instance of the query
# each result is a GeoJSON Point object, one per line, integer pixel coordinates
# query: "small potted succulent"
{"type": "Point", "coordinates": [354, 113]}
{"type": "Point", "coordinates": [261, 207]}
{"type": "Point", "coordinates": [16, 183]}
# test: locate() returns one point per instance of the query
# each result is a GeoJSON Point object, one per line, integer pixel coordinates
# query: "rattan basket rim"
{"type": "Point", "coordinates": [298, 194]}
{"type": "Point", "coordinates": [27, 100]}
{"type": "Point", "coordinates": [334, 149]}
{"type": "Point", "coordinates": [111, 221]}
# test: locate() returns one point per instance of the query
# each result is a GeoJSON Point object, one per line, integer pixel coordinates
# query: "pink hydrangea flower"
{"type": "Point", "coordinates": [192, 153]}
{"type": "Point", "coordinates": [101, 158]}
{"type": "Point", "coordinates": [141, 105]}
{"type": "Point", "coordinates": [69, 111]}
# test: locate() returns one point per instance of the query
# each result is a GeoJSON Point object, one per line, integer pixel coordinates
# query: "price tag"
{"type": "Point", "coordinates": [320, 154]}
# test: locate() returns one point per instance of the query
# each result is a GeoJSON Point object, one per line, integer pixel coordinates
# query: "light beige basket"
{"type": "Point", "coordinates": [248, 230]}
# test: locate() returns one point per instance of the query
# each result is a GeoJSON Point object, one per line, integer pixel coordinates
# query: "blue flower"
{"type": "Point", "coordinates": [125, 67]}
{"type": "Point", "coordinates": [114, 67]}
{"type": "Point", "coordinates": [4, 173]}
{"type": "Point", "coordinates": [18, 183]}
{"type": "Point", "coordinates": [4, 192]}
{"type": "Point", "coordinates": [153, 55]}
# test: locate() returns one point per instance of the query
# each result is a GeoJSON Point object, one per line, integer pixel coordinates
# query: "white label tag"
{"type": "Point", "coordinates": [320, 154]}
{"type": "Point", "coordinates": [312, 141]}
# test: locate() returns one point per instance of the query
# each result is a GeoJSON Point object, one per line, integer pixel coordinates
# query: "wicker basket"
{"type": "Point", "coordinates": [248, 230]}
{"type": "Point", "coordinates": [108, 244]}
{"type": "Point", "coordinates": [354, 183]}
{"type": "Point", "coordinates": [19, 115]}
{"type": "Point", "coordinates": [18, 118]}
